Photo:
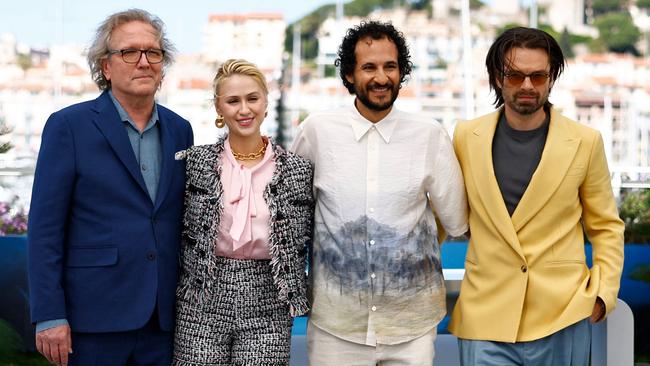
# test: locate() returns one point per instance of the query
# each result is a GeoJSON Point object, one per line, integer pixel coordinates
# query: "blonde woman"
{"type": "Point", "coordinates": [247, 222]}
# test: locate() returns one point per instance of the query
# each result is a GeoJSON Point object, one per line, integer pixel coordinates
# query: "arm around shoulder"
{"type": "Point", "coordinates": [447, 190]}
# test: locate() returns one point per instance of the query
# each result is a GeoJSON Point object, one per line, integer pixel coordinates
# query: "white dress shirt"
{"type": "Point", "coordinates": [376, 270]}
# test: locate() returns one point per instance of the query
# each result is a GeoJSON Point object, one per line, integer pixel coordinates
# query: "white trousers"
{"type": "Point", "coordinates": [325, 349]}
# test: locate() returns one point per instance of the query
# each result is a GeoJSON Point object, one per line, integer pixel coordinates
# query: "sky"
{"type": "Point", "coordinates": [42, 23]}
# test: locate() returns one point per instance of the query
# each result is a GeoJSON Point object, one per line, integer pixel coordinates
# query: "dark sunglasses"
{"type": "Point", "coordinates": [516, 78]}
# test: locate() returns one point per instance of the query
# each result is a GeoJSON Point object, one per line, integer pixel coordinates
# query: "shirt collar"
{"type": "Point", "coordinates": [360, 125]}
{"type": "Point", "coordinates": [124, 116]}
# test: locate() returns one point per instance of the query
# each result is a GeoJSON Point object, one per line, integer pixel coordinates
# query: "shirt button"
{"type": "Point", "coordinates": [372, 242]}
{"type": "Point", "coordinates": [524, 269]}
{"type": "Point", "coordinates": [144, 167]}
{"type": "Point", "coordinates": [374, 308]}
{"type": "Point", "coordinates": [372, 275]}
{"type": "Point", "coordinates": [371, 210]}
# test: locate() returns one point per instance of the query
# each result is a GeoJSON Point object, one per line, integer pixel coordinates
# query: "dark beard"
{"type": "Point", "coordinates": [527, 109]}
{"type": "Point", "coordinates": [363, 98]}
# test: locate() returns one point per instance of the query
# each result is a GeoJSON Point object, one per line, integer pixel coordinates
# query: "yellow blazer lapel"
{"type": "Point", "coordinates": [480, 156]}
{"type": "Point", "coordinates": [559, 151]}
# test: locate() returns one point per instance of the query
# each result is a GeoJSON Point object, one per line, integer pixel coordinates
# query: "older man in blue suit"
{"type": "Point", "coordinates": [107, 201]}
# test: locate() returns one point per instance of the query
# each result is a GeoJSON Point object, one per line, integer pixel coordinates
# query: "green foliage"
{"type": "Point", "coordinates": [24, 61]}
{"type": "Point", "coordinates": [507, 26]}
{"type": "Point", "coordinates": [419, 4]}
{"type": "Point", "coordinates": [577, 38]}
{"type": "Point", "coordinates": [605, 6]}
{"type": "Point", "coordinates": [330, 71]}
{"type": "Point", "coordinates": [475, 4]}
{"type": "Point", "coordinates": [635, 212]}
{"type": "Point", "coordinates": [618, 32]}
{"type": "Point", "coordinates": [548, 29]}
{"type": "Point", "coordinates": [4, 129]}
{"type": "Point", "coordinates": [9, 349]}
{"type": "Point", "coordinates": [645, 4]}
{"type": "Point", "coordinates": [597, 45]}
{"type": "Point", "coordinates": [565, 44]}
{"type": "Point", "coordinates": [364, 7]}
{"type": "Point", "coordinates": [309, 25]}
{"type": "Point", "coordinates": [311, 22]}
{"type": "Point", "coordinates": [566, 39]}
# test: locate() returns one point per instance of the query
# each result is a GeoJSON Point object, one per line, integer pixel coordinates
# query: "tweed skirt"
{"type": "Point", "coordinates": [242, 322]}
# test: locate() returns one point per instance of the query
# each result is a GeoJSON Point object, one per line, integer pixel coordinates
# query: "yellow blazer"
{"type": "Point", "coordinates": [526, 276]}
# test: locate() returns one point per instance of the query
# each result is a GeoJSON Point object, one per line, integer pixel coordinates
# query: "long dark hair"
{"type": "Point", "coordinates": [347, 59]}
{"type": "Point", "coordinates": [497, 63]}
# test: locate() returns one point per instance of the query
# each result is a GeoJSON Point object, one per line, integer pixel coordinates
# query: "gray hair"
{"type": "Point", "coordinates": [100, 46]}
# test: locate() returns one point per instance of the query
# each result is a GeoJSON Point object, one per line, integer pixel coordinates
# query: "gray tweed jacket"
{"type": "Point", "coordinates": [291, 206]}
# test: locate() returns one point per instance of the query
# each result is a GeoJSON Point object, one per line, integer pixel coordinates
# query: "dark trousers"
{"type": "Point", "coordinates": [147, 346]}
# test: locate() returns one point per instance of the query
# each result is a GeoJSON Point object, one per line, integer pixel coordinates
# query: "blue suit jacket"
{"type": "Point", "coordinates": [101, 254]}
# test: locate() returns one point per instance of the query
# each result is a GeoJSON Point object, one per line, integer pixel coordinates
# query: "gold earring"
{"type": "Point", "coordinates": [219, 122]}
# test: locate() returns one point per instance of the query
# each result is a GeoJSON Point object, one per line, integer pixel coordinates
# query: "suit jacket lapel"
{"type": "Point", "coordinates": [480, 156]}
{"type": "Point", "coordinates": [109, 123]}
{"type": "Point", "coordinates": [559, 151]}
{"type": "Point", "coordinates": [167, 164]}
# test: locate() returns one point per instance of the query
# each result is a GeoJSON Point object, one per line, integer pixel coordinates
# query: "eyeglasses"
{"type": "Point", "coordinates": [516, 78]}
{"type": "Point", "coordinates": [133, 55]}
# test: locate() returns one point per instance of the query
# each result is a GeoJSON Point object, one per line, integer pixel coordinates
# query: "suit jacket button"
{"type": "Point", "coordinates": [213, 200]}
{"type": "Point", "coordinates": [151, 255]}
{"type": "Point", "coordinates": [524, 269]}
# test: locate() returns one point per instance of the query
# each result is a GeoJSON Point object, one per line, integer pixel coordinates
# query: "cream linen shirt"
{"type": "Point", "coordinates": [376, 274]}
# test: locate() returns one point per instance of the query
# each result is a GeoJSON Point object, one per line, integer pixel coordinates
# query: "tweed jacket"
{"type": "Point", "coordinates": [289, 198]}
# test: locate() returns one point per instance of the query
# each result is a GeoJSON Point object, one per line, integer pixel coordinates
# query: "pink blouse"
{"type": "Point", "coordinates": [244, 227]}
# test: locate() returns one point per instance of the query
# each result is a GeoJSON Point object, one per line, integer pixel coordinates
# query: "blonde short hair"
{"type": "Point", "coordinates": [238, 67]}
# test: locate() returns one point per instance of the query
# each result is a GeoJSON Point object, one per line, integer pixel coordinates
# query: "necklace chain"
{"type": "Point", "coordinates": [249, 156]}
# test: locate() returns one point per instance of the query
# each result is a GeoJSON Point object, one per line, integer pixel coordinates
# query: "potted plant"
{"type": "Point", "coordinates": [13, 219]}
{"type": "Point", "coordinates": [14, 309]}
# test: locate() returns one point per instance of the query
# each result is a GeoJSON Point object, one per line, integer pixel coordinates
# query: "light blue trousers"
{"type": "Point", "coordinates": [570, 346]}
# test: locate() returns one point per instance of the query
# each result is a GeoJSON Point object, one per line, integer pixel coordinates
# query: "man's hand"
{"type": "Point", "coordinates": [55, 344]}
{"type": "Point", "coordinates": [599, 311]}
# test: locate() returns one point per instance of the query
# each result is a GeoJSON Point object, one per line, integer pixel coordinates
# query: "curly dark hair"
{"type": "Point", "coordinates": [347, 59]}
{"type": "Point", "coordinates": [497, 62]}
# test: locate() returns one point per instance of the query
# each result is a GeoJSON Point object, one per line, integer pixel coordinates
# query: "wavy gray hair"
{"type": "Point", "coordinates": [100, 46]}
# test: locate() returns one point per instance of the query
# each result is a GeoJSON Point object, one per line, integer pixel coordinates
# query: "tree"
{"type": "Point", "coordinates": [601, 7]}
{"type": "Point", "coordinates": [24, 61]}
{"type": "Point", "coordinates": [644, 4]}
{"type": "Point", "coordinates": [4, 129]}
{"type": "Point", "coordinates": [565, 43]}
{"type": "Point", "coordinates": [635, 212]}
{"type": "Point", "coordinates": [618, 32]}
{"type": "Point", "coordinates": [311, 22]}
{"type": "Point", "coordinates": [475, 4]}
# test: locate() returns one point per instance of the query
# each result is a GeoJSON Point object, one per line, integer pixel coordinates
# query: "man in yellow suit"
{"type": "Point", "coordinates": [537, 183]}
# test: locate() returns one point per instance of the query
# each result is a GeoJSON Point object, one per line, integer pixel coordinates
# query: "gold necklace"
{"type": "Point", "coordinates": [249, 156]}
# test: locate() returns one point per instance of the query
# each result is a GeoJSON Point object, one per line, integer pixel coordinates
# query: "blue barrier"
{"type": "Point", "coordinates": [14, 307]}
